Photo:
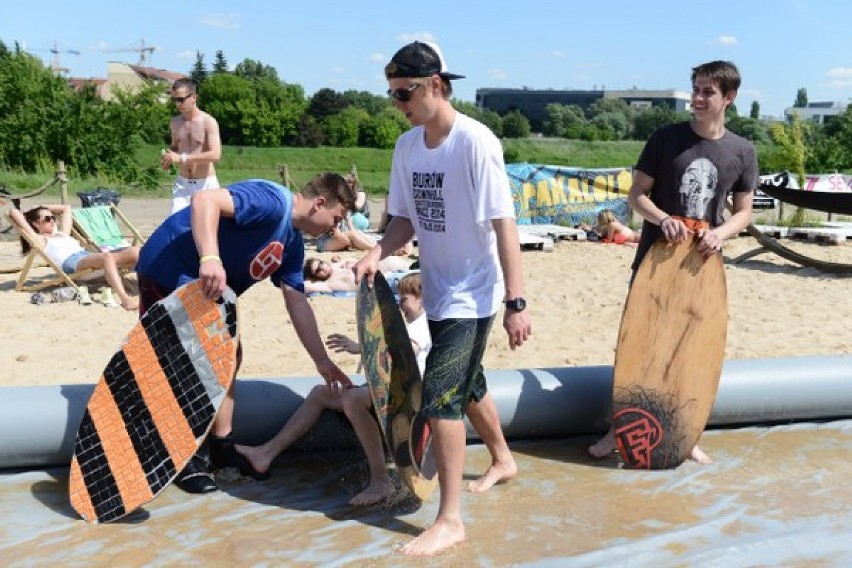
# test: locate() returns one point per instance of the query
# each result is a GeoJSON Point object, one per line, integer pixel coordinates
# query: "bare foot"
{"type": "Point", "coordinates": [437, 538]}
{"type": "Point", "coordinates": [376, 492]}
{"type": "Point", "coordinates": [256, 457]}
{"type": "Point", "coordinates": [130, 305]}
{"type": "Point", "coordinates": [499, 472]}
{"type": "Point", "coordinates": [700, 456]}
{"type": "Point", "coordinates": [603, 447]}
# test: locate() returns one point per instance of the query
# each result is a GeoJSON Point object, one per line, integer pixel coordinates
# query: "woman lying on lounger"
{"type": "Point", "coordinates": [50, 227]}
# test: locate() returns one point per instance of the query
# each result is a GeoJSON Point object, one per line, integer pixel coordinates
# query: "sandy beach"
{"type": "Point", "coordinates": [774, 495]}
{"type": "Point", "coordinates": [575, 294]}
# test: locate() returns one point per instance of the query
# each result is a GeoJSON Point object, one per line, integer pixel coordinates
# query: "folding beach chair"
{"type": "Point", "coordinates": [59, 278]}
{"type": "Point", "coordinates": [98, 229]}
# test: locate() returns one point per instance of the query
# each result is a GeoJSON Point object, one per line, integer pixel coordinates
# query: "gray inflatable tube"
{"type": "Point", "coordinates": [39, 424]}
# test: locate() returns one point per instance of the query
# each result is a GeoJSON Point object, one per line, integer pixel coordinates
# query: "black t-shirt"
{"type": "Point", "coordinates": [693, 176]}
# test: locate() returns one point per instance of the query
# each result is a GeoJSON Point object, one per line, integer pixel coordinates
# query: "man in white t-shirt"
{"type": "Point", "coordinates": [449, 188]}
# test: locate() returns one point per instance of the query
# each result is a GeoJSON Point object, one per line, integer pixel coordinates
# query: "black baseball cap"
{"type": "Point", "coordinates": [419, 59]}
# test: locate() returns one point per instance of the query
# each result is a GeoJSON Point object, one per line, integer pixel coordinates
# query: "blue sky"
{"type": "Point", "coordinates": [779, 46]}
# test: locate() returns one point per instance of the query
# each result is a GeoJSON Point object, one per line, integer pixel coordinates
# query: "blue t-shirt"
{"type": "Point", "coordinates": [258, 242]}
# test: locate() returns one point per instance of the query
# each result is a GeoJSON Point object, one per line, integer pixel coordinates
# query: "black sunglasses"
{"type": "Point", "coordinates": [47, 218]}
{"type": "Point", "coordinates": [403, 95]}
{"type": "Point", "coordinates": [180, 99]}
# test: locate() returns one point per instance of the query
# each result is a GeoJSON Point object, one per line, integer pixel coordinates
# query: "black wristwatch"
{"type": "Point", "coordinates": [518, 304]}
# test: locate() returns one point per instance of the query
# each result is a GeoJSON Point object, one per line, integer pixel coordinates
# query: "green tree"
{"type": "Point", "coordinates": [326, 102]}
{"type": "Point", "coordinates": [150, 114]}
{"type": "Point", "coordinates": [383, 129]}
{"type": "Point", "coordinates": [309, 132]}
{"type": "Point", "coordinates": [748, 128]}
{"type": "Point", "coordinates": [226, 97]}
{"type": "Point", "coordinates": [373, 104]}
{"type": "Point", "coordinates": [755, 110]}
{"type": "Point", "coordinates": [220, 65]}
{"type": "Point", "coordinates": [614, 123]}
{"type": "Point", "coordinates": [254, 70]}
{"type": "Point", "coordinates": [516, 125]}
{"type": "Point", "coordinates": [834, 145]}
{"type": "Point", "coordinates": [27, 91]}
{"type": "Point", "coordinates": [613, 115]}
{"type": "Point", "coordinates": [199, 69]}
{"type": "Point", "coordinates": [343, 129]}
{"type": "Point", "coordinates": [801, 98]}
{"type": "Point", "coordinates": [790, 155]}
{"type": "Point", "coordinates": [649, 120]}
{"type": "Point", "coordinates": [42, 120]}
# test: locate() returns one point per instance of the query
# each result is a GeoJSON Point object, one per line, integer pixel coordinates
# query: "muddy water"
{"type": "Point", "coordinates": [775, 495]}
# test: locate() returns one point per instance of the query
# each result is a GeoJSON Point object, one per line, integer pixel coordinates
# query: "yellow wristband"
{"type": "Point", "coordinates": [207, 257]}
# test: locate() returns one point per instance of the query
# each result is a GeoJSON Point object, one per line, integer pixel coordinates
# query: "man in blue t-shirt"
{"type": "Point", "coordinates": [237, 236]}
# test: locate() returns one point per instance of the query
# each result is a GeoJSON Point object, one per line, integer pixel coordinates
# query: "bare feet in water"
{"type": "Point", "coordinates": [699, 456]}
{"type": "Point", "coordinates": [499, 472]}
{"type": "Point", "coordinates": [604, 447]}
{"type": "Point", "coordinates": [376, 492]}
{"type": "Point", "coordinates": [437, 538]}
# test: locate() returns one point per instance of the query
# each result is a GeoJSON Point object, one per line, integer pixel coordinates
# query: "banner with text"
{"type": "Point", "coordinates": [567, 196]}
{"type": "Point", "coordinates": [829, 183]}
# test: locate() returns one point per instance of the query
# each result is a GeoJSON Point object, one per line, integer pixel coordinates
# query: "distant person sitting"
{"type": "Point", "coordinates": [354, 402]}
{"type": "Point", "coordinates": [344, 237]}
{"type": "Point", "coordinates": [50, 227]}
{"type": "Point", "coordinates": [349, 234]}
{"type": "Point", "coordinates": [336, 275]}
{"type": "Point", "coordinates": [611, 230]}
{"type": "Point", "coordinates": [360, 217]}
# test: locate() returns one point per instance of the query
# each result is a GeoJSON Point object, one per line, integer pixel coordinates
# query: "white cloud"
{"type": "Point", "coordinates": [498, 74]}
{"type": "Point", "coordinates": [753, 93]}
{"type": "Point", "coordinates": [377, 57]}
{"type": "Point", "coordinates": [186, 54]}
{"type": "Point", "coordinates": [337, 70]}
{"type": "Point", "coordinates": [415, 36]}
{"type": "Point", "coordinates": [726, 40]}
{"type": "Point", "coordinates": [840, 76]}
{"type": "Point", "coordinates": [558, 54]}
{"type": "Point", "coordinates": [839, 73]}
{"type": "Point", "coordinates": [220, 20]}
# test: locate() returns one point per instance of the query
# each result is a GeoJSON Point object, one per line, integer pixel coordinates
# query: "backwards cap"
{"type": "Point", "coordinates": [419, 59]}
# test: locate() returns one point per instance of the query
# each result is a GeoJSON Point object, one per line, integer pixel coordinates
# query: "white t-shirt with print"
{"type": "Point", "coordinates": [451, 194]}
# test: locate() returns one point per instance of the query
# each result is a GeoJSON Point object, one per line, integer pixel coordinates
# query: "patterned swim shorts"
{"type": "Point", "coordinates": [454, 374]}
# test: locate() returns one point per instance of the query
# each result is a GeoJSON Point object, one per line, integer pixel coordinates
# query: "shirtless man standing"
{"type": "Point", "coordinates": [195, 146]}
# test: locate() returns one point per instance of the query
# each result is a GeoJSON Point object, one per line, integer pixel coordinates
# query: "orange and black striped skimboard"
{"type": "Point", "coordinates": [154, 403]}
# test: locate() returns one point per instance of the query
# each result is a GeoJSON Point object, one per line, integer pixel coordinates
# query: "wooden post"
{"type": "Point", "coordinates": [63, 182]}
{"type": "Point", "coordinates": [284, 172]}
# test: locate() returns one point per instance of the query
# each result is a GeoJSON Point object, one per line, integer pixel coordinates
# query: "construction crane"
{"type": "Point", "coordinates": [57, 68]}
{"type": "Point", "coordinates": [139, 47]}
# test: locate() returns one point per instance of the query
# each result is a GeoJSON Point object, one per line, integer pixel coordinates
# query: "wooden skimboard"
{"type": "Point", "coordinates": [154, 403]}
{"type": "Point", "coordinates": [668, 361]}
{"type": "Point", "coordinates": [393, 378]}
